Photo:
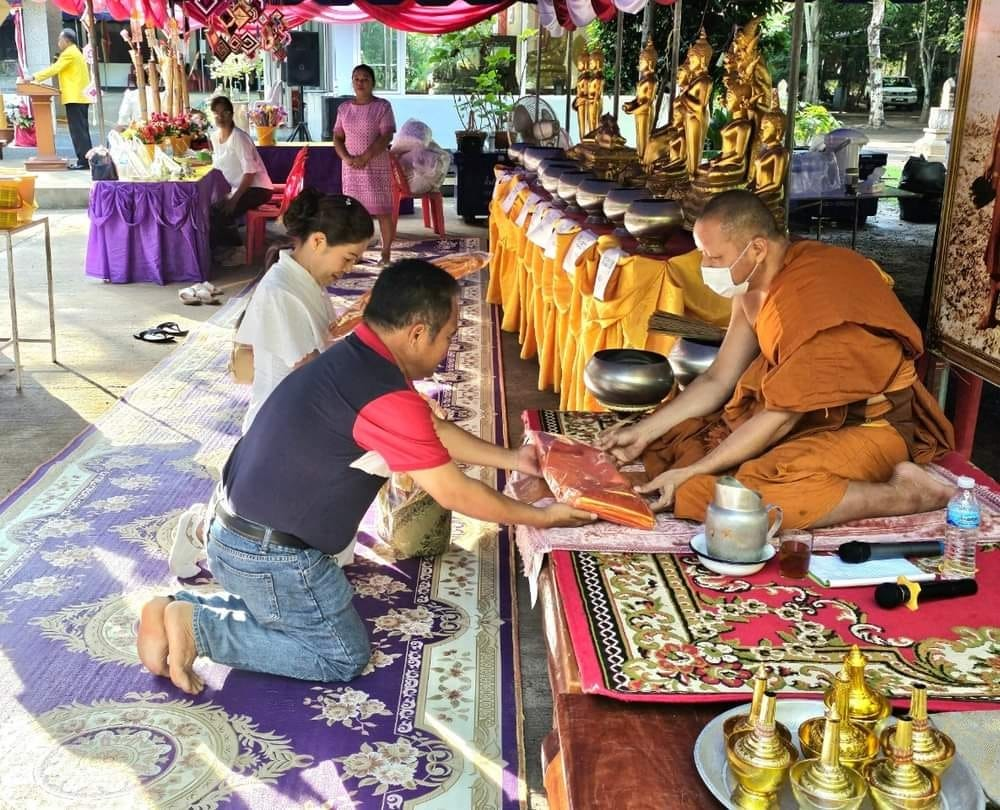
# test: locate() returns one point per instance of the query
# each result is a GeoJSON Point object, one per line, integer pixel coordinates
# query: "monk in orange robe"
{"type": "Point", "coordinates": [821, 408]}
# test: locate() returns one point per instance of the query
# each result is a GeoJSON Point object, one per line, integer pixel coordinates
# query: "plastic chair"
{"type": "Point", "coordinates": [257, 218]}
{"type": "Point", "coordinates": [431, 203]}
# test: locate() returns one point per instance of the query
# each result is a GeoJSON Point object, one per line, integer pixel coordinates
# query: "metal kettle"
{"type": "Point", "coordinates": [736, 522]}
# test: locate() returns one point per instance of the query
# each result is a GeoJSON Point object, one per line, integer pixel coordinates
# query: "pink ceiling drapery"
{"type": "Point", "coordinates": [405, 16]}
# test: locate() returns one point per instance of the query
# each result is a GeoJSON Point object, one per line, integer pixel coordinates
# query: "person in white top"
{"type": "Point", "coordinates": [234, 154]}
{"type": "Point", "coordinates": [289, 320]}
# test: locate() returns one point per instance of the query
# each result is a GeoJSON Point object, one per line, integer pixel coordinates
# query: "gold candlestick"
{"type": "Point", "coordinates": [866, 706]}
{"type": "Point", "coordinates": [746, 722]}
{"type": "Point", "coordinates": [858, 743]}
{"type": "Point", "coordinates": [897, 782]}
{"type": "Point", "coordinates": [824, 783]}
{"type": "Point", "coordinates": [932, 749]}
{"type": "Point", "coordinates": [760, 760]}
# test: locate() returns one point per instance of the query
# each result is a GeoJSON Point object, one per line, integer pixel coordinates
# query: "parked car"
{"type": "Point", "coordinates": [897, 91]}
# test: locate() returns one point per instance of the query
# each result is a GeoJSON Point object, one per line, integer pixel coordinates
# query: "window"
{"type": "Point", "coordinates": [381, 50]}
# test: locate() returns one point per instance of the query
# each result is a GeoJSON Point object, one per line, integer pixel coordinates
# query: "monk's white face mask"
{"type": "Point", "coordinates": [720, 279]}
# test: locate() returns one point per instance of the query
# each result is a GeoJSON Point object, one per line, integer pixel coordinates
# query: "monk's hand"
{"type": "Point", "coordinates": [561, 514]}
{"type": "Point", "coordinates": [526, 461]}
{"type": "Point", "coordinates": [624, 442]}
{"type": "Point", "coordinates": [666, 485]}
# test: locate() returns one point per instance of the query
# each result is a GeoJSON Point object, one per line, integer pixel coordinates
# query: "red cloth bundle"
{"type": "Point", "coordinates": [589, 479]}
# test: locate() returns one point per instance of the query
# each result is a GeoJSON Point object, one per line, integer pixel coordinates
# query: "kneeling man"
{"type": "Point", "coordinates": [299, 482]}
{"type": "Point", "coordinates": [821, 408]}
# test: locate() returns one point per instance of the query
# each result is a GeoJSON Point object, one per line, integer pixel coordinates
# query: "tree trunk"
{"type": "Point", "coordinates": [928, 56]}
{"type": "Point", "coordinates": [813, 15]}
{"type": "Point", "coordinates": [876, 113]}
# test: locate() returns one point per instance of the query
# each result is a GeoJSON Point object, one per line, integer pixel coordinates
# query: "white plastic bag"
{"type": "Point", "coordinates": [425, 168]}
{"type": "Point", "coordinates": [412, 135]}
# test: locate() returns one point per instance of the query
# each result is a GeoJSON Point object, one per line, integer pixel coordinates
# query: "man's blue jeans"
{"type": "Point", "coordinates": [286, 611]}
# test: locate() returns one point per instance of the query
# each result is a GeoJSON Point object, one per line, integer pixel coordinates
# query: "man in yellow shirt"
{"type": "Point", "coordinates": [74, 77]}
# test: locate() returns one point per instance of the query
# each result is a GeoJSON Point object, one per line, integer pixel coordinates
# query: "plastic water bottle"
{"type": "Point", "coordinates": [962, 532]}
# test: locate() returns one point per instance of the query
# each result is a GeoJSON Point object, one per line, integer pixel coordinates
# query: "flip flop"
{"type": "Point", "coordinates": [172, 329]}
{"type": "Point", "coordinates": [204, 294]}
{"type": "Point", "coordinates": [208, 285]}
{"type": "Point", "coordinates": [154, 336]}
{"type": "Point", "coordinates": [189, 296]}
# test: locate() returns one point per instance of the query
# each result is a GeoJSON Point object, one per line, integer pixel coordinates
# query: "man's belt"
{"type": "Point", "coordinates": [255, 531]}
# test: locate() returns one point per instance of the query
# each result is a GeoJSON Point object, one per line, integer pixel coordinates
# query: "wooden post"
{"type": "Point", "coordinates": [793, 96]}
{"type": "Point", "coordinates": [92, 40]}
{"type": "Point", "coordinates": [154, 83]}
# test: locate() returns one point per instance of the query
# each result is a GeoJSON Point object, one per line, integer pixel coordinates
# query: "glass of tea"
{"type": "Point", "coordinates": [794, 554]}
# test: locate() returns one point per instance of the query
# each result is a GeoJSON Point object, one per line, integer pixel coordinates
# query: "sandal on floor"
{"type": "Point", "coordinates": [154, 336]}
{"type": "Point", "coordinates": [172, 328]}
{"type": "Point", "coordinates": [208, 285]}
{"type": "Point", "coordinates": [205, 294]}
{"type": "Point", "coordinates": [189, 295]}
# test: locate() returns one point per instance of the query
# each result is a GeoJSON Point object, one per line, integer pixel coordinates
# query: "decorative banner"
{"type": "Point", "coordinates": [965, 324]}
{"type": "Point", "coordinates": [241, 26]}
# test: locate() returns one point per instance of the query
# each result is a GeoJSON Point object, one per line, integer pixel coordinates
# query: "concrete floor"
{"type": "Point", "coordinates": [98, 360]}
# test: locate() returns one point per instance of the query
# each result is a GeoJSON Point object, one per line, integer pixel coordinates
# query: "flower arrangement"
{"type": "Point", "coordinates": [268, 115]}
{"type": "Point", "coordinates": [162, 126]}
{"type": "Point", "coordinates": [19, 116]}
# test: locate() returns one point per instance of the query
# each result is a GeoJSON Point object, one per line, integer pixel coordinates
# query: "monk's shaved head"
{"type": "Point", "coordinates": [741, 216]}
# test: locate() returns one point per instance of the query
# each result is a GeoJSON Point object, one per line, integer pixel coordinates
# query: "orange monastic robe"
{"type": "Point", "coordinates": [837, 347]}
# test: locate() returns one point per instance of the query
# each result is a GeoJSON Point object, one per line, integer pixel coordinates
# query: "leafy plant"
{"type": "Point", "coordinates": [484, 103]}
{"type": "Point", "coordinates": [812, 119]}
{"type": "Point", "coordinates": [19, 116]}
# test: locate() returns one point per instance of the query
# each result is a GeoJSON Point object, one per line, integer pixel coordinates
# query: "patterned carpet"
{"type": "Point", "coordinates": [434, 721]}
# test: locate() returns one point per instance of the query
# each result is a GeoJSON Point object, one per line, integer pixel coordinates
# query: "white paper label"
{"type": "Point", "coordinates": [503, 178]}
{"type": "Point", "coordinates": [605, 269]}
{"type": "Point", "coordinates": [539, 214]}
{"type": "Point", "coordinates": [579, 246]}
{"type": "Point", "coordinates": [565, 225]}
{"type": "Point", "coordinates": [511, 198]}
{"type": "Point", "coordinates": [541, 234]}
{"type": "Point", "coordinates": [526, 209]}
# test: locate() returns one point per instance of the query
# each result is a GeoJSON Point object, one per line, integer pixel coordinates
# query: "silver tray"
{"type": "Point", "coordinates": [960, 788]}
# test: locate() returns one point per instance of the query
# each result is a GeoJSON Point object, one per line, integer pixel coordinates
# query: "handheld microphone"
{"type": "Point", "coordinates": [859, 552]}
{"type": "Point", "coordinates": [904, 592]}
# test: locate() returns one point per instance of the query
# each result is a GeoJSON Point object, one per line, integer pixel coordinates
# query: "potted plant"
{"type": "Point", "coordinates": [476, 70]}
{"type": "Point", "coordinates": [266, 118]}
{"type": "Point", "coordinates": [24, 125]}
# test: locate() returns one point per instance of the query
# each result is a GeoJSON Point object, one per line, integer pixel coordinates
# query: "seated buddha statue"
{"type": "Point", "coordinates": [730, 168]}
{"type": "Point", "coordinates": [607, 135]}
{"type": "Point", "coordinates": [767, 171]}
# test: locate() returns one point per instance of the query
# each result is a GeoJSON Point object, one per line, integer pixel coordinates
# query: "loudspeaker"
{"type": "Point", "coordinates": [302, 62]}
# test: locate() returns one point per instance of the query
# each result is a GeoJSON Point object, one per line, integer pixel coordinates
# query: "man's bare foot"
{"type": "Point", "coordinates": [921, 491]}
{"type": "Point", "coordinates": [151, 641]}
{"type": "Point", "coordinates": [179, 622]}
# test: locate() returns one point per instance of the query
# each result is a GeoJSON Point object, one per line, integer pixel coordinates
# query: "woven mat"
{"type": "Point", "coordinates": [673, 536]}
{"type": "Point", "coordinates": [434, 721]}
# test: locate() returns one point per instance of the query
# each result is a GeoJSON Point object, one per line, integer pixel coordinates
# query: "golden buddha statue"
{"type": "Point", "coordinates": [730, 168]}
{"type": "Point", "coordinates": [767, 171]}
{"type": "Point", "coordinates": [595, 89]}
{"type": "Point", "coordinates": [607, 135]}
{"type": "Point", "coordinates": [581, 102]}
{"type": "Point", "coordinates": [674, 151]}
{"type": "Point", "coordinates": [645, 94]}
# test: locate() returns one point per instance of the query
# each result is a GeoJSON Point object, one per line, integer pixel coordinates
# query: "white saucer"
{"type": "Point", "coordinates": [699, 545]}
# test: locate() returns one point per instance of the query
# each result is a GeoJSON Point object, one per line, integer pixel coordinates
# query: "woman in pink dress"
{"type": "Point", "coordinates": [361, 137]}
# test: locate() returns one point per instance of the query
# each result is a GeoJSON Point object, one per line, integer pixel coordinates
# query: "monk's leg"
{"type": "Point", "coordinates": [910, 490]}
{"type": "Point", "coordinates": [848, 474]}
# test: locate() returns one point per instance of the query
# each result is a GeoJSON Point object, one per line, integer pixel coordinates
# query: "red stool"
{"type": "Point", "coordinates": [431, 203]}
{"type": "Point", "coordinates": [257, 218]}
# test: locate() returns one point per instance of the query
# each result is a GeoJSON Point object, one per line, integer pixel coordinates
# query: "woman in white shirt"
{"type": "Point", "coordinates": [234, 154]}
{"type": "Point", "coordinates": [289, 319]}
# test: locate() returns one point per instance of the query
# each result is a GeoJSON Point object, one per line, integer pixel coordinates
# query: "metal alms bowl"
{"type": "Point", "coordinates": [550, 171]}
{"type": "Point", "coordinates": [569, 182]}
{"type": "Point", "coordinates": [534, 155]}
{"type": "Point", "coordinates": [629, 379]}
{"type": "Point", "coordinates": [516, 151]}
{"type": "Point", "coordinates": [617, 201]}
{"type": "Point", "coordinates": [652, 222]}
{"type": "Point", "coordinates": [690, 358]}
{"type": "Point", "coordinates": [590, 197]}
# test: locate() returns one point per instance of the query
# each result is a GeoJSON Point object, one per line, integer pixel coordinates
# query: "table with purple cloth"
{"type": "Point", "coordinates": [152, 231]}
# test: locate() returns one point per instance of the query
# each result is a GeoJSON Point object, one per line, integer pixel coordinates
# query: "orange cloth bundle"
{"type": "Point", "coordinates": [587, 478]}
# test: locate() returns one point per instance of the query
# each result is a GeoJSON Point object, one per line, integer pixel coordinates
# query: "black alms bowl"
{"type": "Point", "coordinates": [630, 378]}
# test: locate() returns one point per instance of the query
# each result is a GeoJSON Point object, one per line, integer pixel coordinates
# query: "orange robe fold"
{"type": "Point", "coordinates": [838, 348]}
